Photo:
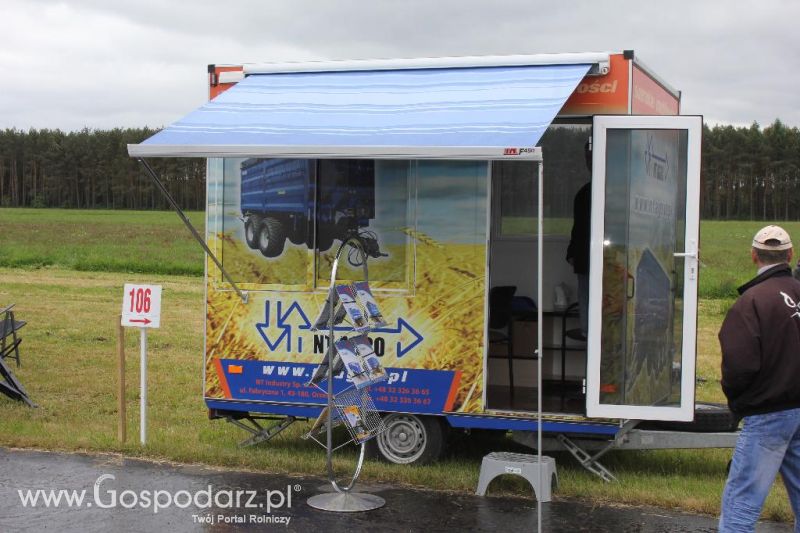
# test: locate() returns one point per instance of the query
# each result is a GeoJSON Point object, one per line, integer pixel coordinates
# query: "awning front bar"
{"type": "Point", "coordinates": [600, 62]}
{"type": "Point", "coordinates": [532, 153]}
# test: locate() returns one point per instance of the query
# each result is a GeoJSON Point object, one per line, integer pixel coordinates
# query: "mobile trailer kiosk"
{"type": "Point", "coordinates": [467, 234]}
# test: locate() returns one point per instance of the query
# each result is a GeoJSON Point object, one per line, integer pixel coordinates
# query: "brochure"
{"type": "Point", "coordinates": [370, 361]}
{"type": "Point", "coordinates": [366, 298]}
{"type": "Point", "coordinates": [322, 322]}
{"type": "Point", "coordinates": [356, 421]}
{"type": "Point", "coordinates": [356, 370]}
{"type": "Point", "coordinates": [355, 301]}
{"type": "Point", "coordinates": [347, 296]}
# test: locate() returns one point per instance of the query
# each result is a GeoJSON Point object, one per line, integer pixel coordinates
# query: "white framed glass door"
{"type": "Point", "coordinates": [643, 267]}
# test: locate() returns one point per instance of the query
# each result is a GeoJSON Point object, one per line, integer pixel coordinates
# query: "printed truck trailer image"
{"type": "Point", "coordinates": [278, 202]}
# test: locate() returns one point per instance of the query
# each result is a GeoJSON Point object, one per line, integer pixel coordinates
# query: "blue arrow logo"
{"type": "Point", "coordinates": [286, 332]}
{"type": "Point", "coordinates": [401, 325]}
{"type": "Point", "coordinates": [285, 337]}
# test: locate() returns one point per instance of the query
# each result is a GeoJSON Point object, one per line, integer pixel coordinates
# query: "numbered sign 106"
{"type": "Point", "coordinates": [140, 299]}
{"type": "Point", "coordinates": [141, 305]}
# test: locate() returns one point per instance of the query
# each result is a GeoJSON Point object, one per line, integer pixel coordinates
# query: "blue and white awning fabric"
{"type": "Point", "coordinates": [450, 113]}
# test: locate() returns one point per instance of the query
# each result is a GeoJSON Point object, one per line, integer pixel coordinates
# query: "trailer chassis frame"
{"type": "Point", "coordinates": [628, 438]}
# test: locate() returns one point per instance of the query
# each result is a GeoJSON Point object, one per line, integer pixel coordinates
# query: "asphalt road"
{"type": "Point", "coordinates": [122, 494]}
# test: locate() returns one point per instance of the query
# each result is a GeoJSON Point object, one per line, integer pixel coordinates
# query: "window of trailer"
{"type": "Point", "coordinates": [278, 223]}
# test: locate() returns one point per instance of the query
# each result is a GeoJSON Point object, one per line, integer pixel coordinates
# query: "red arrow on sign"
{"type": "Point", "coordinates": [142, 320]}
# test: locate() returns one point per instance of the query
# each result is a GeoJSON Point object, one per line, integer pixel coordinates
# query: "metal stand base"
{"type": "Point", "coordinates": [346, 502]}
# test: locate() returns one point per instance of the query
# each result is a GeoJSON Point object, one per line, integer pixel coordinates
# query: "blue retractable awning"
{"type": "Point", "coordinates": [452, 113]}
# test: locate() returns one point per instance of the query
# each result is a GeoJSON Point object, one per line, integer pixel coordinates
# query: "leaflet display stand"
{"type": "Point", "coordinates": [352, 407]}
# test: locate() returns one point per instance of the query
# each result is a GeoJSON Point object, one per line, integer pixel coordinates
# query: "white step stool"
{"type": "Point", "coordinates": [522, 464]}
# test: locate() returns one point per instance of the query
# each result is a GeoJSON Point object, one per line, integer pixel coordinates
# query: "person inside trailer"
{"type": "Point", "coordinates": [578, 249]}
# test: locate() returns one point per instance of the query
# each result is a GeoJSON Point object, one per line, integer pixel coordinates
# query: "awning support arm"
{"type": "Point", "coordinates": [192, 229]}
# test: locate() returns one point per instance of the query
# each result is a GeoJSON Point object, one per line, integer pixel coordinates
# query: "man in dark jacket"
{"type": "Point", "coordinates": [760, 340]}
{"type": "Point", "coordinates": [578, 249]}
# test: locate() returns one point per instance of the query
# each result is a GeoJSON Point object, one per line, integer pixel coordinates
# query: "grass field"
{"type": "Point", "coordinates": [725, 254]}
{"type": "Point", "coordinates": [69, 364]}
{"type": "Point", "coordinates": [155, 242]}
{"type": "Point", "coordinates": [102, 241]}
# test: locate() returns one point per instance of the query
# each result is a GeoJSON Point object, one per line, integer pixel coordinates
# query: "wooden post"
{"type": "Point", "coordinates": [122, 425]}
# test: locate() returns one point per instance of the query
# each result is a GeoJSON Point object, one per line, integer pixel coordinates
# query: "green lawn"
{"type": "Point", "coordinates": [725, 254]}
{"type": "Point", "coordinates": [102, 240]}
{"type": "Point", "coordinates": [155, 242]}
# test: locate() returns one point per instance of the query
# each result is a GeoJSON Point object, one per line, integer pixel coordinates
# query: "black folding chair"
{"type": "Point", "coordinates": [9, 349]}
{"type": "Point", "coordinates": [501, 327]}
{"type": "Point", "coordinates": [9, 340]}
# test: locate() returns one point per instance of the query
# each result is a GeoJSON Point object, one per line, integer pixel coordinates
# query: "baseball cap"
{"type": "Point", "coordinates": [772, 238]}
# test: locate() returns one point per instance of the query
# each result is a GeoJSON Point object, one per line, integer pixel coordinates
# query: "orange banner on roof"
{"type": "Point", "coordinates": [601, 95]}
{"type": "Point", "coordinates": [650, 98]}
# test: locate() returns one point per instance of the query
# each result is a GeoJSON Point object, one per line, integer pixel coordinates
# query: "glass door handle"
{"type": "Point", "coordinates": [691, 250]}
{"type": "Point", "coordinates": [692, 266]}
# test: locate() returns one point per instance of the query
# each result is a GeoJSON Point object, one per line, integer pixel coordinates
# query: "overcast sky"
{"type": "Point", "coordinates": [109, 63]}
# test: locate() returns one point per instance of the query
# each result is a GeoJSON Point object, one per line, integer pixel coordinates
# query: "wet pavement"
{"type": "Point", "coordinates": [122, 494]}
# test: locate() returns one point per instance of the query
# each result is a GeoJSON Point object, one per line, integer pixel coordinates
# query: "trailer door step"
{"type": "Point", "coordinates": [260, 433]}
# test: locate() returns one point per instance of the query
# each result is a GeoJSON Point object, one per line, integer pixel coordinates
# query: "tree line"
{"type": "Point", "coordinates": [751, 173]}
{"type": "Point", "coordinates": [91, 169]}
{"type": "Point", "coordinates": [747, 172]}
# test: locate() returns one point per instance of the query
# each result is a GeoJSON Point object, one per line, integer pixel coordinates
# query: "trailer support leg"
{"type": "Point", "coordinates": [260, 433]}
{"type": "Point", "coordinates": [587, 461]}
{"type": "Point", "coordinates": [591, 462]}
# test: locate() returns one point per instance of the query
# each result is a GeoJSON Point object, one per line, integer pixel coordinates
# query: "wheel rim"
{"type": "Point", "coordinates": [249, 232]}
{"type": "Point", "coordinates": [404, 440]}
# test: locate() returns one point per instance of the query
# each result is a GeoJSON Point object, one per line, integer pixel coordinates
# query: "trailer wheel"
{"type": "Point", "coordinates": [252, 225]}
{"type": "Point", "coordinates": [271, 237]}
{"type": "Point", "coordinates": [708, 418]}
{"type": "Point", "coordinates": [409, 439]}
